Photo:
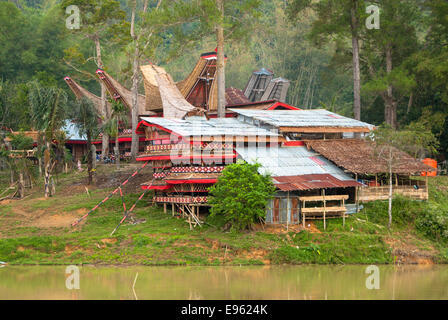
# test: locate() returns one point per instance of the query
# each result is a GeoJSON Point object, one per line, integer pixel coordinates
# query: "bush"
{"type": "Point", "coordinates": [240, 196]}
{"type": "Point", "coordinates": [433, 224]}
{"type": "Point", "coordinates": [404, 211]}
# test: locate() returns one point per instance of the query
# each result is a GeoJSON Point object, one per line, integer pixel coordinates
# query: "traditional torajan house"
{"type": "Point", "coordinates": [189, 153]}
{"type": "Point", "coordinates": [188, 147]}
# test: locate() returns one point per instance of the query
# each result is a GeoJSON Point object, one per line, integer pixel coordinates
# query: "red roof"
{"type": "Point", "coordinates": [312, 181]}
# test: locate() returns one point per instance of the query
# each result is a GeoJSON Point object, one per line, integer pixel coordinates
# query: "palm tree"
{"type": "Point", "coordinates": [47, 110]}
{"type": "Point", "coordinates": [118, 120]}
{"type": "Point", "coordinates": [84, 114]}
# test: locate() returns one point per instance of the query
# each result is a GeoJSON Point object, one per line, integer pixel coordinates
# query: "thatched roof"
{"type": "Point", "coordinates": [359, 156]}
{"type": "Point", "coordinates": [119, 92]}
{"type": "Point", "coordinates": [172, 101]}
{"type": "Point", "coordinates": [82, 92]}
{"type": "Point", "coordinates": [188, 83]}
{"type": "Point", "coordinates": [205, 68]}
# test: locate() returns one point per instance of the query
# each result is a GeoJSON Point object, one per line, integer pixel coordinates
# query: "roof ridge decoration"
{"type": "Point", "coordinates": [80, 92]}
{"type": "Point", "coordinates": [262, 86]}
{"type": "Point", "coordinates": [173, 102]}
{"type": "Point", "coordinates": [119, 92]}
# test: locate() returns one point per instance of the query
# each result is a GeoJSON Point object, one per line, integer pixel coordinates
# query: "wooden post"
{"type": "Point", "coordinates": [343, 214]}
{"type": "Point", "coordinates": [426, 186]}
{"type": "Point", "coordinates": [164, 207]}
{"type": "Point", "coordinates": [325, 208]}
{"type": "Point", "coordinates": [172, 209]}
{"type": "Point", "coordinates": [356, 194]}
{"type": "Point", "coordinates": [288, 213]}
{"type": "Point", "coordinates": [303, 214]}
{"type": "Point", "coordinates": [396, 179]}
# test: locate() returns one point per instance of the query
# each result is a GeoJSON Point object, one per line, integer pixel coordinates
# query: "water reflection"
{"type": "Point", "coordinates": [268, 282]}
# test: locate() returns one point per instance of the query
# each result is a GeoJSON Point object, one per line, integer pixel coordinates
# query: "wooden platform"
{"type": "Point", "coordinates": [324, 211]}
{"type": "Point", "coordinates": [382, 193]}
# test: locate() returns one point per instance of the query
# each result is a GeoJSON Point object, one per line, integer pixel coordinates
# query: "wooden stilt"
{"type": "Point", "coordinates": [288, 212]}
{"type": "Point", "coordinates": [343, 214]}
{"type": "Point", "coordinates": [325, 209]}
{"type": "Point", "coordinates": [172, 209]}
{"type": "Point", "coordinates": [164, 207]}
{"type": "Point", "coordinates": [303, 213]}
{"type": "Point", "coordinates": [357, 194]}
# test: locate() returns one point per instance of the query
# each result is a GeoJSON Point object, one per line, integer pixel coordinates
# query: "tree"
{"type": "Point", "coordinates": [413, 139]}
{"type": "Point", "coordinates": [118, 119]}
{"type": "Point", "coordinates": [47, 109]}
{"type": "Point", "coordinates": [336, 20]}
{"type": "Point", "coordinates": [161, 22]}
{"type": "Point", "coordinates": [17, 160]}
{"type": "Point", "coordinates": [99, 19]}
{"type": "Point", "coordinates": [139, 49]}
{"type": "Point", "coordinates": [387, 51]}
{"type": "Point", "coordinates": [241, 194]}
{"type": "Point", "coordinates": [228, 19]}
{"type": "Point", "coordinates": [85, 117]}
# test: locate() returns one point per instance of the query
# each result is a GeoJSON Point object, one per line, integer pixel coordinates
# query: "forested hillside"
{"type": "Point", "coordinates": [403, 65]}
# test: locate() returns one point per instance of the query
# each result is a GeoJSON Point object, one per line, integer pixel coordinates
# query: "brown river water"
{"type": "Point", "coordinates": [222, 283]}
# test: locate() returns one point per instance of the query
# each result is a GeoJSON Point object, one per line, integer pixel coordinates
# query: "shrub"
{"type": "Point", "coordinates": [433, 223]}
{"type": "Point", "coordinates": [240, 196]}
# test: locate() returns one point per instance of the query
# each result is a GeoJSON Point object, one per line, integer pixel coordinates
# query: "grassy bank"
{"type": "Point", "coordinates": [37, 231]}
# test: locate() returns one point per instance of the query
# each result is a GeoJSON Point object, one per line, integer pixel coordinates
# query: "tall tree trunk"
{"type": "Point", "coordinates": [410, 102]}
{"type": "Point", "coordinates": [134, 113]}
{"type": "Point", "coordinates": [390, 110]}
{"type": "Point", "coordinates": [104, 108]}
{"type": "Point", "coordinates": [389, 211]}
{"type": "Point", "coordinates": [117, 149]}
{"type": "Point", "coordinates": [39, 163]}
{"type": "Point", "coordinates": [356, 69]}
{"type": "Point", "coordinates": [21, 185]}
{"type": "Point", "coordinates": [47, 174]}
{"type": "Point", "coordinates": [90, 159]}
{"type": "Point", "coordinates": [220, 64]}
{"type": "Point", "coordinates": [12, 174]}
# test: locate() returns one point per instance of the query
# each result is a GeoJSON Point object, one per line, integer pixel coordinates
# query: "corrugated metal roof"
{"type": "Point", "coordinates": [290, 161]}
{"type": "Point", "coordinates": [200, 126]}
{"type": "Point", "coordinates": [300, 118]}
{"type": "Point", "coordinates": [312, 181]}
{"type": "Point", "coordinates": [235, 96]}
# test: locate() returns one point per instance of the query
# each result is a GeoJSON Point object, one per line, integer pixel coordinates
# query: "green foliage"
{"type": "Point", "coordinates": [240, 196]}
{"type": "Point", "coordinates": [20, 141]}
{"type": "Point", "coordinates": [84, 114]}
{"type": "Point", "coordinates": [342, 249]}
{"type": "Point", "coordinates": [47, 108]}
{"type": "Point", "coordinates": [417, 139]}
{"type": "Point", "coordinates": [404, 211]}
{"type": "Point", "coordinates": [433, 223]}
